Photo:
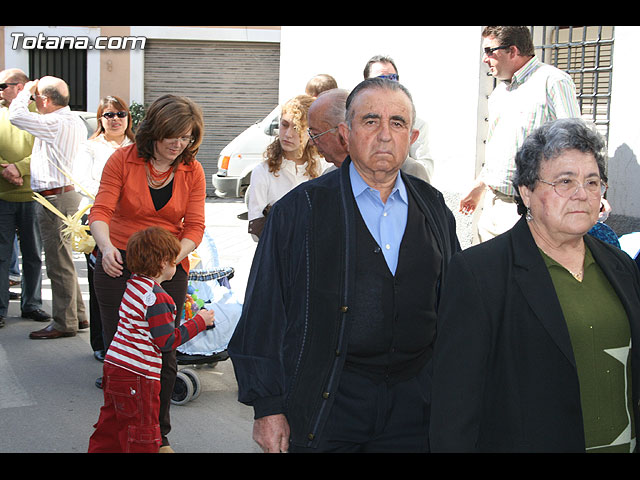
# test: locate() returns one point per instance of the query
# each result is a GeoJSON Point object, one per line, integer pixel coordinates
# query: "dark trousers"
{"type": "Point", "coordinates": [109, 293]}
{"type": "Point", "coordinates": [23, 218]}
{"type": "Point", "coordinates": [371, 416]}
{"type": "Point", "coordinates": [95, 324]}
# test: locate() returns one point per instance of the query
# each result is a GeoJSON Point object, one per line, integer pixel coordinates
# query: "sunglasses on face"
{"type": "Point", "coordinates": [5, 85]}
{"type": "Point", "coordinates": [111, 115]}
{"type": "Point", "coordinates": [391, 76]}
{"type": "Point", "coordinates": [488, 51]}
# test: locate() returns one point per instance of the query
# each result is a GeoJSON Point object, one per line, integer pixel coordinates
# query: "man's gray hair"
{"type": "Point", "coordinates": [381, 83]}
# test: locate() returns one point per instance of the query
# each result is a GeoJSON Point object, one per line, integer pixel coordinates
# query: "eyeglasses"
{"type": "Point", "coordinates": [111, 115]}
{"type": "Point", "coordinates": [313, 137]}
{"type": "Point", "coordinates": [391, 76]}
{"type": "Point", "coordinates": [488, 51]}
{"type": "Point", "coordinates": [568, 187]}
{"type": "Point", "coordinates": [5, 85]}
{"type": "Point", "coordinates": [187, 140]}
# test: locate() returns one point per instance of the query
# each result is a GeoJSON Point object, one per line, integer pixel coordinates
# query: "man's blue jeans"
{"type": "Point", "coordinates": [21, 217]}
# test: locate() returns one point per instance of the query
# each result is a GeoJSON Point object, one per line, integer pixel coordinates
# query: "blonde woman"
{"type": "Point", "coordinates": [290, 160]}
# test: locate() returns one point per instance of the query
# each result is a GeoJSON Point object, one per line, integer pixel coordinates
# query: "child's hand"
{"type": "Point", "coordinates": [207, 316]}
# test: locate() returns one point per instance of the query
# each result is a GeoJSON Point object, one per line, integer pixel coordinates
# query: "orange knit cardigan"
{"type": "Point", "coordinates": [124, 201]}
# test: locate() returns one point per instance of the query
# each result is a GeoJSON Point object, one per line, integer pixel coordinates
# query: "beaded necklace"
{"type": "Point", "coordinates": [157, 179]}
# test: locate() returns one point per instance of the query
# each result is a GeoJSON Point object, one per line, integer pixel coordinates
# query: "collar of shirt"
{"type": "Point", "coordinates": [386, 221]}
{"type": "Point", "coordinates": [524, 73]}
{"type": "Point", "coordinates": [293, 168]}
{"type": "Point", "coordinates": [358, 186]}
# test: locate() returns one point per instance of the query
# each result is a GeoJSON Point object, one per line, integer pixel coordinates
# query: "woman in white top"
{"type": "Point", "coordinates": [113, 131]}
{"type": "Point", "coordinates": [290, 160]}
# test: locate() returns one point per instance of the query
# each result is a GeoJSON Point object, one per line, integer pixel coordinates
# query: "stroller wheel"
{"type": "Point", "coordinates": [182, 390]}
{"type": "Point", "coordinates": [195, 380]}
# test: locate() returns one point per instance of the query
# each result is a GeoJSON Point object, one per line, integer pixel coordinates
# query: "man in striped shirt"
{"type": "Point", "coordinates": [58, 133]}
{"type": "Point", "coordinates": [129, 419]}
{"type": "Point", "coordinates": [530, 94]}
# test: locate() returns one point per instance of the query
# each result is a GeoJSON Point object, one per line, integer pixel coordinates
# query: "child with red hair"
{"type": "Point", "coordinates": [129, 418]}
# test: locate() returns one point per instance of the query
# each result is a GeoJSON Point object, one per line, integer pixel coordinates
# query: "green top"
{"type": "Point", "coordinates": [601, 340]}
{"type": "Point", "coordinates": [15, 147]}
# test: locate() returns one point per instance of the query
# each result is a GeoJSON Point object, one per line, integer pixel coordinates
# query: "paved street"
{"type": "Point", "coordinates": [48, 401]}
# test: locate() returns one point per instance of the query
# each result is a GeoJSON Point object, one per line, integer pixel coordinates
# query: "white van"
{"type": "Point", "coordinates": [244, 152]}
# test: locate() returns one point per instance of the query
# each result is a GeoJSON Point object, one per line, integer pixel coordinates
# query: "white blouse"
{"type": "Point", "coordinates": [88, 165]}
{"type": "Point", "coordinates": [267, 188]}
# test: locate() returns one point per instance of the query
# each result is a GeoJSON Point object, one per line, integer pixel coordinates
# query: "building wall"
{"type": "Point", "coordinates": [121, 72]}
{"type": "Point", "coordinates": [624, 135]}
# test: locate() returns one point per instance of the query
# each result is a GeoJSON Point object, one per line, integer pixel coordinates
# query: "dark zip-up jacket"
{"type": "Point", "coordinates": [288, 348]}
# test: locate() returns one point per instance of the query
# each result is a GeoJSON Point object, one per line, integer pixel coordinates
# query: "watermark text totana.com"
{"type": "Point", "coordinates": [55, 42]}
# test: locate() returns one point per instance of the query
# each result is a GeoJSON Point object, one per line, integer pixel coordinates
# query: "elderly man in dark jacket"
{"type": "Point", "coordinates": [335, 339]}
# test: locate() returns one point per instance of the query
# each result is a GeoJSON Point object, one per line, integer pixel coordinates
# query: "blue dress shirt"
{"type": "Point", "coordinates": [386, 221]}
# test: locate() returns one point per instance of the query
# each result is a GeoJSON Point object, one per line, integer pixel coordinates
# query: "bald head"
{"type": "Point", "coordinates": [331, 105]}
{"type": "Point", "coordinates": [55, 89]}
{"type": "Point", "coordinates": [325, 113]}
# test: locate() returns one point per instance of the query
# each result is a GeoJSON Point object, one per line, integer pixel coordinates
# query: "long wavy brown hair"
{"type": "Point", "coordinates": [297, 107]}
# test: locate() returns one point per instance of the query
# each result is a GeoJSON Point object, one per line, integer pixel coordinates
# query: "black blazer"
{"type": "Point", "coordinates": [504, 375]}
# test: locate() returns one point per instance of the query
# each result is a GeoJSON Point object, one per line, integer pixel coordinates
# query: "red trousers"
{"type": "Point", "coordinates": [128, 421]}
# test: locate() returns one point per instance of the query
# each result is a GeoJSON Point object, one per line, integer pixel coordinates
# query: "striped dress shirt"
{"type": "Point", "coordinates": [57, 138]}
{"type": "Point", "coordinates": [537, 93]}
{"type": "Point", "coordinates": [147, 328]}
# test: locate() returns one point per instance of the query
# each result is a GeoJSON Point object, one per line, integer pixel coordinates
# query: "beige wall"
{"type": "Point", "coordinates": [114, 66]}
{"type": "Point", "coordinates": [115, 71]}
{"type": "Point", "coordinates": [118, 70]}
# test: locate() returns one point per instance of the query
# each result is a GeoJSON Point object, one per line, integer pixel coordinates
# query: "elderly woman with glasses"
{"type": "Point", "coordinates": [156, 181]}
{"type": "Point", "coordinates": [536, 327]}
{"type": "Point", "coordinates": [289, 160]}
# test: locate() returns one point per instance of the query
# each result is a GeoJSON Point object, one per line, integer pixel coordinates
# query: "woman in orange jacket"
{"type": "Point", "coordinates": [156, 181]}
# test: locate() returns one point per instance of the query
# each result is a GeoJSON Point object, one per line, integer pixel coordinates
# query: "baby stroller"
{"type": "Point", "coordinates": [208, 288]}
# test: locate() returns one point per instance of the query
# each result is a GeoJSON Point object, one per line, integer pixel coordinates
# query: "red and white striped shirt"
{"type": "Point", "coordinates": [147, 328]}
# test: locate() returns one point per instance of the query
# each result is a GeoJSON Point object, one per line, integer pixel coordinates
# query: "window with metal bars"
{"type": "Point", "coordinates": [67, 64]}
{"type": "Point", "coordinates": [585, 53]}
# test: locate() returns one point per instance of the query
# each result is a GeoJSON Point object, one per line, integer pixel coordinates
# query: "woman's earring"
{"type": "Point", "coordinates": [528, 216]}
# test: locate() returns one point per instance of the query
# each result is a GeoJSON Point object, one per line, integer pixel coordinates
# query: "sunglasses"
{"type": "Point", "coordinates": [391, 76]}
{"type": "Point", "coordinates": [5, 85]}
{"type": "Point", "coordinates": [111, 115]}
{"type": "Point", "coordinates": [488, 51]}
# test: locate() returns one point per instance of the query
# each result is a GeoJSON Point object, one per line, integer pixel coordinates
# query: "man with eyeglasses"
{"type": "Point", "coordinates": [58, 133]}
{"type": "Point", "coordinates": [419, 162]}
{"type": "Point", "coordinates": [529, 94]}
{"type": "Point", "coordinates": [18, 210]}
{"type": "Point", "coordinates": [324, 116]}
